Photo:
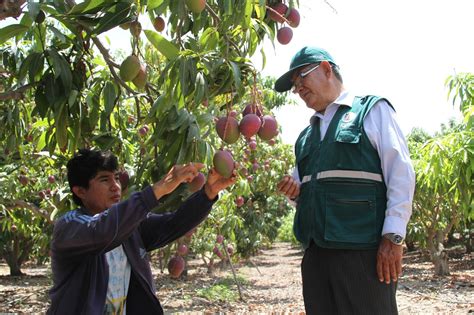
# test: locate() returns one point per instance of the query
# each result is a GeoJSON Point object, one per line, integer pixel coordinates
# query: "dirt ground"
{"type": "Point", "coordinates": [270, 284]}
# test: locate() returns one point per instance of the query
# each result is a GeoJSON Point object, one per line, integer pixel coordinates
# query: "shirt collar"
{"type": "Point", "coordinates": [345, 98]}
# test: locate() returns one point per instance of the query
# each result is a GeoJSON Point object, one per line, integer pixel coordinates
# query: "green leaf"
{"type": "Point", "coordinates": [110, 95]}
{"type": "Point", "coordinates": [185, 125]}
{"type": "Point", "coordinates": [104, 141]}
{"type": "Point", "coordinates": [52, 90]}
{"type": "Point", "coordinates": [36, 66]}
{"type": "Point", "coordinates": [153, 4]}
{"type": "Point", "coordinates": [228, 7]}
{"type": "Point", "coordinates": [88, 6]}
{"type": "Point", "coordinates": [254, 41]}
{"type": "Point", "coordinates": [72, 98]}
{"type": "Point", "coordinates": [204, 119]}
{"type": "Point", "coordinates": [76, 133]}
{"type": "Point", "coordinates": [209, 38]}
{"type": "Point", "coordinates": [248, 13]}
{"type": "Point", "coordinates": [56, 62]}
{"type": "Point", "coordinates": [57, 33]}
{"type": "Point", "coordinates": [103, 124]}
{"type": "Point", "coordinates": [184, 76]}
{"type": "Point", "coordinates": [199, 88]}
{"type": "Point", "coordinates": [260, 9]}
{"type": "Point", "coordinates": [160, 106]}
{"type": "Point", "coordinates": [94, 114]}
{"type": "Point", "coordinates": [25, 66]}
{"type": "Point", "coordinates": [61, 69]}
{"type": "Point", "coordinates": [203, 152]}
{"type": "Point", "coordinates": [236, 73]}
{"type": "Point", "coordinates": [42, 104]}
{"type": "Point", "coordinates": [41, 142]}
{"type": "Point", "coordinates": [183, 153]}
{"type": "Point", "coordinates": [33, 9]}
{"type": "Point", "coordinates": [172, 151]}
{"type": "Point", "coordinates": [26, 20]}
{"type": "Point", "coordinates": [60, 121]}
{"type": "Point", "coordinates": [113, 18]}
{"type": "Point", "coordinates": [181, 119]}
{"type": "Point", "coordinates": [165, 47]}
{"type": "Point", "coordinates": [193, 133]}
{"type": "Point", "coordinates": [11, 31]}
{"type": "Point", "coordinates": [264, 57]}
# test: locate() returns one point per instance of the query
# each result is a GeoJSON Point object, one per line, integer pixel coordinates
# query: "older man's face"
{"type": "Point", "coordinates": [310, 82]}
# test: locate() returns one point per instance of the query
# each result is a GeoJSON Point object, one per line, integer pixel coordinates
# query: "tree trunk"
{"type": "Point", "coordinates": [16, 253]}
{"type": "Point", "coordinates": [15, 268]}
{"type": "Point", "coordinates": [410, 245]}
{"type": "Point", "coordinates": [439, 257]}
{"type": "Point", "coordinates": [13, 263]}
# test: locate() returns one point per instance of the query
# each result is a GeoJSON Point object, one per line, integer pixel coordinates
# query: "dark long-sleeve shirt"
{"type": "Point", "coordinates": [80, 241]}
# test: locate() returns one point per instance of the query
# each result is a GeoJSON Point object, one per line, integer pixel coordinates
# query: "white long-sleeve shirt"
{"type": "Point", "coordinates": [386, 137]}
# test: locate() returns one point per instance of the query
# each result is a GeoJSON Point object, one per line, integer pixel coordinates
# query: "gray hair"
{"type": "Point", "coordinates": [337, 73]}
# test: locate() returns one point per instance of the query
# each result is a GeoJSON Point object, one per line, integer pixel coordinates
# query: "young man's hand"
{"type": "Point", "coordinates": [216, 182]}
{"type": "Point", "coordinates": [177, 175]}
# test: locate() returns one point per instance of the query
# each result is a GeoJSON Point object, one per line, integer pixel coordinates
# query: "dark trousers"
{"type": "Point", "coordinates": [337, 281]}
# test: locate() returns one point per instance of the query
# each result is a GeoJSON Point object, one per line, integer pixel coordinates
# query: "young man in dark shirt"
{"type": "Point", "coordinates": [99, 251]}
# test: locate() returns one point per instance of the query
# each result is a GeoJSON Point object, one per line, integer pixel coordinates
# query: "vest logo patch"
{"type": "Point", "coordinates": [347, 120]}
{"type": "Point", "coordinates": [348, 117]}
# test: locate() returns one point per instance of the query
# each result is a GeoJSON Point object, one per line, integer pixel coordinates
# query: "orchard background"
{"type": "Point", "coordinates": [63, 86]}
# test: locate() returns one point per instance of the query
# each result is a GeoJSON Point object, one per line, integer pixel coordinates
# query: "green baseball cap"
{"type": "Point", "coordinates": [307, 55]}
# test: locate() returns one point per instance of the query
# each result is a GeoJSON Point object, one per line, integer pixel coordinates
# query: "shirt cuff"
{"type": "Point", "coordinates": [393, 224]}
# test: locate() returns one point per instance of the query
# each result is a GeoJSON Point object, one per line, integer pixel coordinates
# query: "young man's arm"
{"type": "Point", "coordinates": [161, 229]}
{"type": "Point", "coordinates": [77, 234]}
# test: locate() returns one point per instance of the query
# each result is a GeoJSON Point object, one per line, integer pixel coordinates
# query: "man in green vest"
{"type": "Point", "coordinates": [353, 187]}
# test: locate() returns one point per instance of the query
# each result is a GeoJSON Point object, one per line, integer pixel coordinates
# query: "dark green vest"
{"type": "Point", "coordinates": [342, 199]}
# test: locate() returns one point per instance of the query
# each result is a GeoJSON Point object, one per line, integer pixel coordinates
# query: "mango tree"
{"type": "Point", "coordinates": [444, 166]}
{"type": "Point", "coordinates": [64, 87]}
{"type": "Point", "coordinates": [249, 216]}
{"type": "Point", "coordinates": [415, 231]}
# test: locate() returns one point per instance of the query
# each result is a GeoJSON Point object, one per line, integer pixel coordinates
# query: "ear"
{"type": "Point", "coordinates": [79, 191]}
{"type": "Point", "coordinates": [326, 67]}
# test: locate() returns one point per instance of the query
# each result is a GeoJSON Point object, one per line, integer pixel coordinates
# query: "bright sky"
{"type": "Point", "coordinates": [403, 50]}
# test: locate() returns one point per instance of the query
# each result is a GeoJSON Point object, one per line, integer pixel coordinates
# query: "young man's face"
{"type": "Point", "coordinates": [104, 190]}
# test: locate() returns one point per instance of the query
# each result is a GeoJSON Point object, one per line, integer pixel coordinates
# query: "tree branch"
{"type": "Point", "coordinates": [216, 18]}
{"type": "Point", "coordinates": [30, 206]}
{"type": "Point", "coordinates": [330, 5]}
{"type": "Point", "coordinates": [17, 94]}
{"type": "Point", "coordinates": [11, 9]}
{"type": "Point", "coordinates": [453, 222]}
{"type": "Point", "coordinates": [110, 63]}
{"type": "Point", "coordinates": [104, 52]}
{"type": "Point", "coordinates": [224, 246]}
{"type": "Point", "coordinates": [217, 21]}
